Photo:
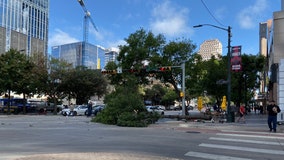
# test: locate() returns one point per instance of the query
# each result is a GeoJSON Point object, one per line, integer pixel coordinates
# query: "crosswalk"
{"type": "Point", "coordinates": [240, 145]}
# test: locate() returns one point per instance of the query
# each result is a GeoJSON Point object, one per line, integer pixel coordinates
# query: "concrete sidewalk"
{"type": "Point", "coordinates": [254, 122]}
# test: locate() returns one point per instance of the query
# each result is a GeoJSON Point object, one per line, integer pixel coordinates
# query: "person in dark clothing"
{"type": "Point", "coordinates": [272, 110]}
{"type": "Point", "coordinates": [90, 107]}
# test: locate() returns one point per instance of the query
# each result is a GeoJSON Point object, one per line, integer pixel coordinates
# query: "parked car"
{"type": "Point", "coordinates": [80, 110]}
{"type": "Point", "coordinates": [161, 107]}
{"type": "Point", "coordinates": [66, 111]}
{"type": "Point", "coordinates": [96, 109]}
{"type": "Point", "coordinates": [43, 106]}
{"type": "Point", "coordinates": [155, 109]}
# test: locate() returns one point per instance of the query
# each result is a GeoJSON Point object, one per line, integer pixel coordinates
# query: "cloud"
{"type": "Point", "coordinates": [58, 37]}
{"type": "Point", "coordinates": [168, 20]}
{"type": "Point", "coordinates": [116, 43]}
{"type": "Point", "coordinates": [248, 17]}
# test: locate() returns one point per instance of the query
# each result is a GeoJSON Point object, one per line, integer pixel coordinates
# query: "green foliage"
{"type": "Point", "coordinates": [125, 107]}
{"type": "Point", "coordinates": [14, 68]}
{"type": "Point", "coordinates": [16, 73]}
{"type": "Point", "coordinates": [244, 83]}
{"type": "Point", "coordinates": [81, 83]}
{"type": "Point", "coordinates": [169, 97]}
{"type": "Point", "coordinates": [155, 93]}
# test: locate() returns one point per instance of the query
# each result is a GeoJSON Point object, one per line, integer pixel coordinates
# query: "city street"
{"type": "Point", "coordinates": [27, 137]}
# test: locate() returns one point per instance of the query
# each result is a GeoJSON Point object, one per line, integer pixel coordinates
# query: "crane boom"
{"type": "Point", "coordinates": [87, 18]}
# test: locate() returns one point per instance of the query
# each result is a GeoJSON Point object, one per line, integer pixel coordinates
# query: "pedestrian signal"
{"type": "Point", "coordinates": [108, 72]}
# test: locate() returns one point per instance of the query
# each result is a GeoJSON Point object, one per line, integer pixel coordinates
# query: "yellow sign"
{"type": "Point", "coordinates": [224, 102]}
{"type": "Point", "coordinates": [199, 103]}
{"type": "Point", "coordinates": [181, 94]}
{"type": "Point", "coordinates": [99, 63]}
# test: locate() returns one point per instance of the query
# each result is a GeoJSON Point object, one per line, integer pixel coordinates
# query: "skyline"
{"type": "Point", "coordinates": [116, 20]}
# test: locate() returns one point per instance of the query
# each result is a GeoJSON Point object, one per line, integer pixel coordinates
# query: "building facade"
{"type": "Point", "coordinates": [93, 57]}
{"type": "Point", "coordinates": [210, 48]}
{"type": "Point", "coordinates": [275, 57]}
{"type": "Point", "coordinates": [111, 56]}
{"type": "Point", "coordinates": [24, 26]}
{"type": "Point", "coordinates": [264, 36]}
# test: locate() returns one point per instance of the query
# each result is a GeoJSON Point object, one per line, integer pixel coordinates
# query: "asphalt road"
{"type": "Point", "coordinates": [52, 137]}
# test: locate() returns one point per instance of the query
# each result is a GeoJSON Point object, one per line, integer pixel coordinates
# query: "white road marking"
{"type": "Point", "coordinates": [212, 156]}
{"type": "Point", "coordinates": [248, 149]}
{"type": "Point", "coordinates": [251, 132]}
{"type": "Point", "coordinates": [247, 141]}
{"type": "Point", "coordinates": [252, 136]}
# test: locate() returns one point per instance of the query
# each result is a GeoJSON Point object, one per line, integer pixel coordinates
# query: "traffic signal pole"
{"type": "Point", "coordinates": [182, 66]}
{"type": "Point", "coordinates": [183, 87]}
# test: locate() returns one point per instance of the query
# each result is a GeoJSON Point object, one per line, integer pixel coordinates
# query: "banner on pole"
{"type": "Point", "coordinates": [236, 59]}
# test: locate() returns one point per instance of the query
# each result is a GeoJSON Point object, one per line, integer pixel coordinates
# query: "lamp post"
{"type": "Point", "coordinates": [229, 115]}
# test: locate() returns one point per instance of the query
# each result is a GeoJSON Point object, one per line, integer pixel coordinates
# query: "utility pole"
{"type": "Point", "coordinates": [182, 66]}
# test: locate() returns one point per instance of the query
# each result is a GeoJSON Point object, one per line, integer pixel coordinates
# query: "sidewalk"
{"type": "Point", "coordinates": [254, 122]}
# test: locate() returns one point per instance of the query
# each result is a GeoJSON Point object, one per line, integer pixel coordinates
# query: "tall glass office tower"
{"type": "Point", "coordinates": [93, 57]}
{"type": "Point", "coordinates": [24, 26]}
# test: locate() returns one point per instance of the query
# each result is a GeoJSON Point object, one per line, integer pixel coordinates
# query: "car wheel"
{"type": "Point", "coordinates": [41, 110]}
{"type": "Point", "coordinates": [75, 113]}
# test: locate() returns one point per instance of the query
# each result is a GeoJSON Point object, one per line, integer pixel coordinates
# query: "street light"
{"type": "Point", "coordinates": [229, 115]}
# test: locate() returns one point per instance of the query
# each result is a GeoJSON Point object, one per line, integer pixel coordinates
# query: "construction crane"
{"type": "Point", "coordinates": [87, 18]}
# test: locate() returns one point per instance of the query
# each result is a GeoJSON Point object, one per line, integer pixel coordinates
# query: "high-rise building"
{"type": "Point", "coordinates": [93, 57]}
{"type": "Point", "coordinates": [210, 48]}
{"type": "Point", "coordinates": [111, 56]}
{"type": "Point", "coordinates": [24, 26]}
{"type": "Point", "coordinates": [264, 36]}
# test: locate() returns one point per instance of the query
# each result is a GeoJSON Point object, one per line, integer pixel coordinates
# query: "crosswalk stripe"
{"type": "Point", "coordinates": [212, 156]}
{"type": "Point", "coordinates": [251, 132]}
{"type": "Point", "coordinates": [248, 149]}
{"type": "Point", "coordinates": [247, 141]}
{"type": "Point", "coordinates": [252, 136]}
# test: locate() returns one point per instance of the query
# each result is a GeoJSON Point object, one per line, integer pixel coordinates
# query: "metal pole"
{"type": "Point", "coordinates": [229, 116]}
{"type": "Point", "coordinates": [183, 87]}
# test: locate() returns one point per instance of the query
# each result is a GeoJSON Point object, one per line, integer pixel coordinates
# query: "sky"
{"type": "Point", "coordinates": [117, 19]}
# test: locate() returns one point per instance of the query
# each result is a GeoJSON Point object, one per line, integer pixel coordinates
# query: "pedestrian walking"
{"type": "Point", "coordinates": [272, 110]}
{"type": "Point", "coordinates": [242, 112]}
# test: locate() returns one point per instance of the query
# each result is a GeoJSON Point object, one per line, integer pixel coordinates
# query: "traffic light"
{"type": "Point", "coordinates": [133, 70]}
{"type": "Point", "coordinates": [109, 72]}
{"type": "Point", "coordinates": [164, 69]}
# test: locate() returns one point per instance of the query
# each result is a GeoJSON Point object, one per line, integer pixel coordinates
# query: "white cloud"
{"type": "Point", "coordinates": [58, 37]}
{"type": "Point", "coordinates": [116, 43]}
{"type": "Point", "coordinates": [248, 17]}
{"type": "Point", "coordinates": [168, 20]}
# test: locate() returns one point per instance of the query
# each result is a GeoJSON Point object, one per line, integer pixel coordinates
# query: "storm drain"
{"type": "Point", "coordinates": [192, 132]}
